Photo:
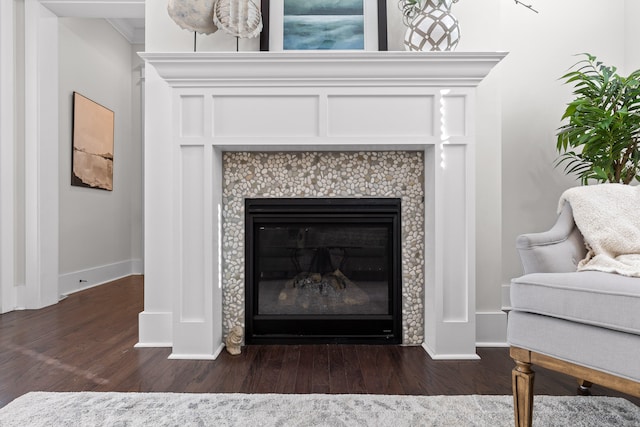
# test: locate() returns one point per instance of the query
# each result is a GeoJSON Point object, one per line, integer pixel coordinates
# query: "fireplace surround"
{"type": "Point", "coordinates": [203, 105]}
{"type": "Point", "coordinates": [324, 175]}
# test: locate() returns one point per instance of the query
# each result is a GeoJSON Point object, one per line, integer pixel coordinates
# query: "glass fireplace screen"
{"type": "Point", "coordinates": [322, 270]}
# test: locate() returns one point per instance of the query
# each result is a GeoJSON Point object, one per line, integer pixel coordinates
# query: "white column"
{"type": "Point", "coordinates": [450, 321]}
{"type": "Point", "coordinates": [216, 255]}
{"type": "Point", "coordinates": [156, 321]}
{"type": "Point", "coordinates": [197, 203]}
{"type": "Point", "coordinates": [41, 155]}
{"type": "Point", "coordinates": [7, 159]}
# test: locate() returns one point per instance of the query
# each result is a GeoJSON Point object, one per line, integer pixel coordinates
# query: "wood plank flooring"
{"type": "Point", "coordinates": [85, 343]}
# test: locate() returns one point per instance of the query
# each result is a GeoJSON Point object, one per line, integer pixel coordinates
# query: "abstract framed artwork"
{"type": "Point", "coordinates": [298, 25]}
{"type": "Point", "coordinates": [92, 139]}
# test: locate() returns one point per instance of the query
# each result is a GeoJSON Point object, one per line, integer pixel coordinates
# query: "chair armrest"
{"type": "Point", "coordinates": [557, 250]}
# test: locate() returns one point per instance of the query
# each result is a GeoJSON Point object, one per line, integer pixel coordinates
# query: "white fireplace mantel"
{"type": "Point", "coordinates": [199, 105]}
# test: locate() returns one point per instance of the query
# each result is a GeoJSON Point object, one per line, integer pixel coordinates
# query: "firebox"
{"type": "Point", "coordinates": [323, 270]}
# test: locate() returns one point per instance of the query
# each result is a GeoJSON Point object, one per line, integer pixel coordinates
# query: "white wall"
{"type": "Point", "coordinates": [483, 35]}
{"type": "Point", "coordinates": [100, 231]}
{"type": "Point", "coordinates": [632, 34]}
{"type": "Point", "coordinates": [19, 146]}
{"type": "Point", "coordinates": [518, 187]}
{"type": "Point", "coordinates": [137, 157]}
{"type": "Point", "coordinates": [7, 158]}
{"type": "Point", "coordinates": [164, 35]}
{"type": "Point", "coordinates": [542, 48]}
{"type": "Point", "coordinates": [519, 108]}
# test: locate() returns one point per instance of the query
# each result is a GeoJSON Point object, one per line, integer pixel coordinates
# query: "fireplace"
{"type": "Point", "coordinates": [323, 270]}
{"type": "Point", "coordinates": [208, 106]}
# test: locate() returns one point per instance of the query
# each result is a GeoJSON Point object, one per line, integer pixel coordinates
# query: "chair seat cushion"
{"type": "Point", "coordinates": [591, 297]}
{"type": "Point", "coordinates": [597, 348]}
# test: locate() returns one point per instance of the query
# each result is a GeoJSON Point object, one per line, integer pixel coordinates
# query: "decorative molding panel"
{"type": "Point", "coordinates": [269, 115]}
{"type": "Point", "coordinates": [455, 121]}
{"type": "Point", "coordinates": [407, 115]}
{"type": "Point", "coordinates": [192, 244]}
{"type": "Point", "coordinates": [191, 116]}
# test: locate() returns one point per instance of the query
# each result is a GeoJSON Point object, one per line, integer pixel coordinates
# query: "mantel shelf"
{"type": "Point", "coordinates": [214, 69]}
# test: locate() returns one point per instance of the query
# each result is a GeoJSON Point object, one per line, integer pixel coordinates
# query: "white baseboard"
{"type": "Point", "coordinates": [155, 329]}
{"type": "Point", "coordinates": [153, 345]}
{"type": "Point", "coordinates": [434, 356]}
{"type": "Point", "coordinates": [213, 356]}
{"type": "Point", "coordinates": [84, 279]}
{"type": "Point", "coordinates": [491, 329]}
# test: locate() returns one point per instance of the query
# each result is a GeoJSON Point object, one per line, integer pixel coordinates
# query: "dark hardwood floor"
{"type": "Point", "coordinates": [85, 343]}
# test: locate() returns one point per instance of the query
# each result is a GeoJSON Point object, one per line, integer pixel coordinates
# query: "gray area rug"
{"type": "Point", "coordinates": [169, 409]}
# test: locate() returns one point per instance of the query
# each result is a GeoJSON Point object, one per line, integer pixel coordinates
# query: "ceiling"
{"type": "Point", "coordinates": [131, 28]}
{"type": "Point", "coordinates": [126, 16]}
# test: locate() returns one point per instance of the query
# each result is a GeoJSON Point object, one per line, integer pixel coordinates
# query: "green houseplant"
{"type": "Point", "coordinates": [601, 139]}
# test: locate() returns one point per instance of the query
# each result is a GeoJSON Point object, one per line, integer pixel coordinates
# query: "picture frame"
{"type": "Point", "coordinates": [304, 26]}
{"type": "Point", "coordinates": [92, 144]}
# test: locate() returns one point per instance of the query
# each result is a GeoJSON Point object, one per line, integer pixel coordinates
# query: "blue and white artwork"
{"type": "Point", "coordinates": [323, 25]}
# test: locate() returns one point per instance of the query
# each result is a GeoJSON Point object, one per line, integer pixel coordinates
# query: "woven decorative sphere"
{"type": "Point", "coordinates": [433, 28]}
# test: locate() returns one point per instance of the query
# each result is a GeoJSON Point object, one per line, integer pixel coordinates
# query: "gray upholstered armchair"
{"type": "Point", "coordinates": [585, 324]}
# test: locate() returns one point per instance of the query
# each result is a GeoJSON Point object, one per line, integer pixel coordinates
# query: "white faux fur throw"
{"type": "Point", "coordinates": [608, 216]}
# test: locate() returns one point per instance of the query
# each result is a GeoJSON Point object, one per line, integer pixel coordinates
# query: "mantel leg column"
{"type": "Point", "coordinates": [450, 301]}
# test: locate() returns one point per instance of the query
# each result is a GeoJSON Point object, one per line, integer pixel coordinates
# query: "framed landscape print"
{"type": "Point", "coordinates": [298, 25]}
{"type": "Point", "coordinates": [92, 156]}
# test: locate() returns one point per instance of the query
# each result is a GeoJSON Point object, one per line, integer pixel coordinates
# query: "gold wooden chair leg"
{"type": "Point", "coordinates": [522, 380]}
{"type": "Point", "coordinates": [584, 387]}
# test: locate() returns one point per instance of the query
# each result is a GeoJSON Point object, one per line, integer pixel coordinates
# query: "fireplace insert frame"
{"type": "Point", "coordinates": [324, 328]}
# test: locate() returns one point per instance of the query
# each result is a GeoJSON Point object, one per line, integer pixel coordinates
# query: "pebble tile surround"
{"type": "Point", "coordinates": [325, 174]}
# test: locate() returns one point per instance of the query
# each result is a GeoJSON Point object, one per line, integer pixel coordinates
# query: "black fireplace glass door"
{"type": "Point", "coordinates": [322, 270]}
{"type": "Point", "coordinates": [317, 268]}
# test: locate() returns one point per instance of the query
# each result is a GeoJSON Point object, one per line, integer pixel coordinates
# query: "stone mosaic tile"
{"type": "Point", "coordinates": [325, 174]}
